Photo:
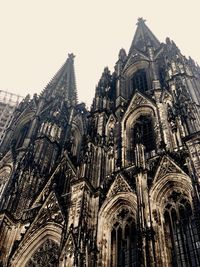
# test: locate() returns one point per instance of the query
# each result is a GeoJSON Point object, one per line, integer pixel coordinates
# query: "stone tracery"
{"type": "Point", "coordinates": [45, 256]}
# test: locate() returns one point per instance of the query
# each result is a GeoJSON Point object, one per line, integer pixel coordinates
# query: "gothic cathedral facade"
{"type": "Point", "coordinates": [116, 186]}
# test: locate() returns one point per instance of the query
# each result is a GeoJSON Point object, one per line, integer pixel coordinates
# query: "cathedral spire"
{"type": "Point", "coordinates": [143, 37]}
{"type": "Point", "coordinates": [63, 83]}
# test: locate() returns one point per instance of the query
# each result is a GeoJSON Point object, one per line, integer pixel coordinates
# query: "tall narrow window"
{"type": "Point", "coordinates": [113, 247]}
{"type": "Point", "coordinates": [183, 244]}
{"type": "Point", "coordinates": [124, 244]}
{"type": "Point", "coordinates": [139, 81]}
{"type": "Point", "coordinates": [22, 135]}
{"type": "Point", "coordinates": [143, 132]}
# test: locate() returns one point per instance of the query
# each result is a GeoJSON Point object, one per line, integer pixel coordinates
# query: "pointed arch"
{"type": "Point", "coordinates": [172, 210]}
{"type": "Point", "coordinates": [67, 257]}
{"type": "Point", "coordinates": [27, 248]}
{"type": "Point", "coordinates": [117, 215]}
{"type": "Point", "coordinates": [77, 132]}
{"type": "Point", "coordinates": [141, 112]}
{"type": "Point", "coordinates": [45, 256]}
{"type": "Point", "coordinates": [21, 127]}
{"type": "Point", "coordinates": [110, 124]}
{"type": "Point", "coordinates": [163, 187]}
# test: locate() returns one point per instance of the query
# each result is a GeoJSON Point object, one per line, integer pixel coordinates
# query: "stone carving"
{"type": "Point", "coordinates": [167, 166]}
{"type": "Point", "coordinates": [119, 185]}
{"type": "Point", "coordinates": [156, 216]}
{"type": "Point", "coordinates": [4, 176]}
{"type": "Point", "coordinates": [70, 246]}
{"type": "Point", "coordinates": [138, 100]}
{"type": "Point", "coordinates": [50, 212]}
{"type": "Point", "coordinates": [122, 214]}
{"type": "Point", "coordinates": [45, 256]}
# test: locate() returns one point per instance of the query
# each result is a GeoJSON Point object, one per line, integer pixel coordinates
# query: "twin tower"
{"type": "Point", "coordinates": [116, 186]}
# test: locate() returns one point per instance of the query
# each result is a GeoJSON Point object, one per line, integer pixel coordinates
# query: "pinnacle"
{"type": "Point", "coordinates": [143, 37]}
{"type": "Point", "coordinates": [64, 82]}
{"type": "Point", "coordinates": [140, 20]}
{"type": "Point", "coordinates": [71, 56]}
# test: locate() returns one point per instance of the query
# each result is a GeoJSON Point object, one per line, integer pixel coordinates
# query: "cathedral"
{"type": "Point", "coordinates": [114, 186]}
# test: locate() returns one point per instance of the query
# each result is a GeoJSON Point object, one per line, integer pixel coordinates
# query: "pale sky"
{"type": "Point", "coordinates": [37, 35]}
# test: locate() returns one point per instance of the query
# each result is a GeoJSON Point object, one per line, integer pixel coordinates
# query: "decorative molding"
{"type": "Point", "coordinates": [167, 166]}
{"type": "Point", "coordinates": [119, 185]}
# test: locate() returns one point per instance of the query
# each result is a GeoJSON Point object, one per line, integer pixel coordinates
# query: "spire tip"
{"type": "Point", "coordinates": [71, 56]}
{"type": "Point", "coordinates": [141, 20]}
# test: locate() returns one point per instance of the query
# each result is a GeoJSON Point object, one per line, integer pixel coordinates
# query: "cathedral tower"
{"type": "Point", "coordinates": [114, 186]}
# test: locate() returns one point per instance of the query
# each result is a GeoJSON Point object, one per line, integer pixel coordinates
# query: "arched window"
{"type": "Point", "coordinates": [183, 243]}
{"type": "Point", "coordinates": [143, 132]}
{"type": "Point", "coordinates": [139, 81]}
{"type": "Point", "coordinates": [124, 241]}
{"type": "Point", "coordinates": [22, 135]}
{"type": "Point", "coordinates": [45, 256]}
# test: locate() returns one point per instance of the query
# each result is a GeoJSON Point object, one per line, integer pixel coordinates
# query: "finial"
{"type": "Point", "coordinates": [140, 20]}
{"type": "Point", "coordinates": [168, 41]}
{"type": "Point", "coordinates": [71, 56]}
{"type": "Point", "coordinates": [122, 54]}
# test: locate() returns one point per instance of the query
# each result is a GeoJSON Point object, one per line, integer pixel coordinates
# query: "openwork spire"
{"type": "Point", "coordinates": [63, 83]}
{"type": "Point", "coordinates": [143, 37]}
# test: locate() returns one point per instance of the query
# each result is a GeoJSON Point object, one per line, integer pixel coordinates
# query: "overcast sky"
{"type": "Point", "coordinates": [37, 35]}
